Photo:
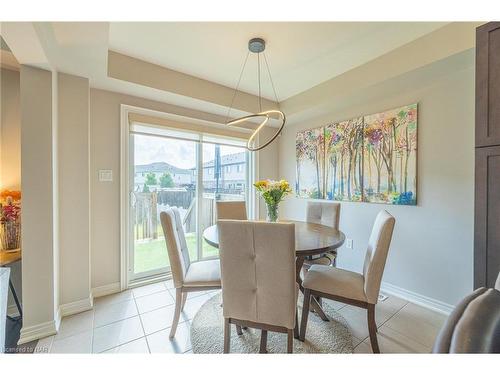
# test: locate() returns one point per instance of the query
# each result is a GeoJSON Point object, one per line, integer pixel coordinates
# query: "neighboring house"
{"type": "Point", "coordinates": [232, 172]}
{"type": "Point", "coordinates": [181, 177]}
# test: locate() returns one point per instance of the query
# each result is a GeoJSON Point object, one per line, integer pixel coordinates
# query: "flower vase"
{"type": "Point", "coordinates": [272, 213]}
{"type": "Point", "coordinates": [10, 235]}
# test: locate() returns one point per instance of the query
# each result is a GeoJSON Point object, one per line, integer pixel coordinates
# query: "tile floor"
{"type": "Point", "coordinates": [138, 321]}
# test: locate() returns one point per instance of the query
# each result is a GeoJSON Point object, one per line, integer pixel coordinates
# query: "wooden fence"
{"type": "Point", "coordinates": [147, 224]}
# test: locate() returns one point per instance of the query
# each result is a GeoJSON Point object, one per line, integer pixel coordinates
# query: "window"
{"type": "Point", "coordinates": [191, 192]}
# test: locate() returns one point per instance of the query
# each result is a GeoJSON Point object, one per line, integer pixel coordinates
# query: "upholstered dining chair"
{"type": "Point", "coordinates": [324, 213]}
{"type": "Point", "coordinates": [187, 276]}
{"type": "Point", "coordinates": [350, 287]}
{"type": "Point", "coordinates": [231, 210]}
{"type": "Point", "coordinates": [258, 278]}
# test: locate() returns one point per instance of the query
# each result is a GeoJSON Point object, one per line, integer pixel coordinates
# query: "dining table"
{"type": "Point", "coordinates": [311, 240]}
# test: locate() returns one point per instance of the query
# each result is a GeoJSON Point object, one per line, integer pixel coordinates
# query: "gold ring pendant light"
{"type": "Point", "coordinates": [257, 45]}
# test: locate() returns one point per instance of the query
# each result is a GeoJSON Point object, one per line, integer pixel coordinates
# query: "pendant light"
{"type": "Point", "coordinates": [257, 46]}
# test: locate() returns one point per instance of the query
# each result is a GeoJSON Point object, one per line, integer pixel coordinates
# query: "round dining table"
{"type": "Point", "coordinates": [310, 239]}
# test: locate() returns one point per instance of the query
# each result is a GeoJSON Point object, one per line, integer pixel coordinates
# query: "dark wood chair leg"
{"type": "Point", "coordinates": [263, 342]}
{"type": "Point", "coordinates": [227, 335]}
{"type": "Point", "coordinates": [305, 314]}
{"type": "Point", "coordinates": [296, 332]}
{"type": "Point", "coordinates": [372, 328]}
{"type": "Point", "coordinates": [290, 341]}
{"type": "Point", "coordinates": [238, 330]}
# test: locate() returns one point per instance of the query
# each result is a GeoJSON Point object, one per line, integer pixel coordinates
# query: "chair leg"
{"type": "Point", "coordinates": [238, 330]}
{"type": "Point", "coordinates": [177, 313]}
{"type": "Point", "coordinates": [290, 341]}
{"type": "Point", "coordinates": [305, 314]}
{"type": "Point", "coordinates": [184, 298]}
{"type": "Point", "coordinates": [372, 328]}
{"type": "Point", "coordinates": [263, 341]}
{"type": "Point", "coordinates": [296, 333]}
{"type": "Point", "coordinates": [227, 335]}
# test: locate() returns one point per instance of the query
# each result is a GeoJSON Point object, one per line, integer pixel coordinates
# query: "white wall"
{"type": "Point", "coordinates": [105, 196]}
{"type": "Point", "coordinates": [10, 150]}
{"type": "Point", "coordinates": [74, 189]}
{"type": "Point", "coordinates": [37, 186]}
{"type": "Point", "coordinates": [432, 248]}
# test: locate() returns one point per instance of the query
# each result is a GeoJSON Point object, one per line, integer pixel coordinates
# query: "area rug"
{"type": "Point", "coordinates": [207, 333]}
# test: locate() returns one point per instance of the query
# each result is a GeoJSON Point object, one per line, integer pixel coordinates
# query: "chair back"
{"type": "Point", "coordinates": [231, 210]}
{"type": "Point", "coordinates": [258, 271]}
{"type": "Point", "coordinates": [376, 254]}
{"type": "Point", "coordinates": [178, 252]}
{"type": "Point", "coordinates": [325, 213]}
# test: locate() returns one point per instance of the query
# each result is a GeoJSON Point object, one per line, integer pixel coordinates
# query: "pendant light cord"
{"type": "Point", "coordinates": [271, 79]}
{"type": "Point", "coordinates": [258, 78]}
{"type": "Point", "coordinates": [237, 87]}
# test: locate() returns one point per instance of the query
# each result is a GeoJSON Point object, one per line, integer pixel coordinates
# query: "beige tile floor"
{"type": "Point", "coordinates": [138, 321]}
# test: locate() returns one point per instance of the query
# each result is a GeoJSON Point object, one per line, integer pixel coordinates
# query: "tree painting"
{"type": "Point", "coordinates": [390, 156]}
{"type": "Point", "coordinates": [310, 154]}
{"type": "Point", "coordinates": [371, 159]}
{"type": "Point", "coordinates": [344, 160]}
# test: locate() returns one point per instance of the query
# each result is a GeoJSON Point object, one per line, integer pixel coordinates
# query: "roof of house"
{"type": "Point", "coordinates": [160, 167]}
{"type": "Point", "coordinates": [237, 158]}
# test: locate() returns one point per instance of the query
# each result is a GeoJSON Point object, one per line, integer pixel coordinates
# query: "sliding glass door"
{"type": "Point", "coordinates": [183, 170]}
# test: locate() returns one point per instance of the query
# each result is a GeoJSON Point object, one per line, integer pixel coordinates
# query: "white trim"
{"type": "Point", "coordinates": [38, 331]}
{"type": "Point", "coordinates": [150, 280]}
{"type": "Point", "coordinates": [124, 196]}
{"type": "Point", "coordinates": [104, 290]}
{"type": "Point", "coordinates": [417, 299]}
{"type": "Point", "coordinates": [77, 306]}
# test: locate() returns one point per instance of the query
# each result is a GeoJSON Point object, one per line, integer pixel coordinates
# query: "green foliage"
{"type": "Point", "coordinates": [151, 179]}
{"type": "Point", "coordinates": [166, 181]}
{"type": "Point", "coordinates": [145, 189]}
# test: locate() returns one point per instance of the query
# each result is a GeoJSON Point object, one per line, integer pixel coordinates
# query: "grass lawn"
{"type": "Point", "coordinates": [153, 254]}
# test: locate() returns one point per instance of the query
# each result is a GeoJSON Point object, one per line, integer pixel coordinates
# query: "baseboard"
{"type": "Point", "coordinates": [77, 306]}
{"type": "Point", "coordinates": [105, 290]}
{"type": "Point", "coordinates": [417, 299]}
{"type": "Point", "coordinates": [38, 331]}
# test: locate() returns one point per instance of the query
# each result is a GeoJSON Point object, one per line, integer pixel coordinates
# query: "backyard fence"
{"type": "Point", "coordinates": [148, 205]}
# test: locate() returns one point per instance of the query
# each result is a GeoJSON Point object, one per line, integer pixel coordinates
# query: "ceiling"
{"type": "Point", "coordinates": [301, 54]}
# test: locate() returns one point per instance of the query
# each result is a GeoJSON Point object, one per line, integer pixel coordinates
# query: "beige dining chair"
{"type": "Point", "coordinates": [350, 287]}
{"type": "Point", "coordinates": [258, 278]}
{"type": "Point", "coordinates": [231, 210]}
{"type": "Point", "coordinates": [324, 213]}
{"type": "Point", "coordinates": [187, 276]}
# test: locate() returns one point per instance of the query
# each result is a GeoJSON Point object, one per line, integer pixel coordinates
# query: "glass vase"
{"type": "Point", "coordinates": [272, 213]}
{"type": "Point", "coordinates": [10, 235]}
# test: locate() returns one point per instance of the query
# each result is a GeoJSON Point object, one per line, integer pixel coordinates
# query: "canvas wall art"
{"type": "Point", "coordinates": [371, 159]}
{"type": "Point", "coordinates": [390, 156]}
{"type": "Point", "coordinates": [344, 160]}
{"type": "Point", "coordinates": [310, 154]}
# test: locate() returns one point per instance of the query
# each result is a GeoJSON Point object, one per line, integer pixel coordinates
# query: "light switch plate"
{"type": "Point", "coordinates": [105, 175]}
{"type": "Point", "coordinates": [348, 243]}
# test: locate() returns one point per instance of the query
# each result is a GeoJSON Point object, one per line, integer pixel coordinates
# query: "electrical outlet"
{"type": "Point", "coordinates": [348, 243]}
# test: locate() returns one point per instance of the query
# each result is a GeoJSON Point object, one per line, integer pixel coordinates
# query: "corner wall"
{"type": "Point", "coordinates": [74, 193]}
{"type": "Point", "coordinates": [37, 183]}
{"type": "Point", "coordinates": [431, 254]}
